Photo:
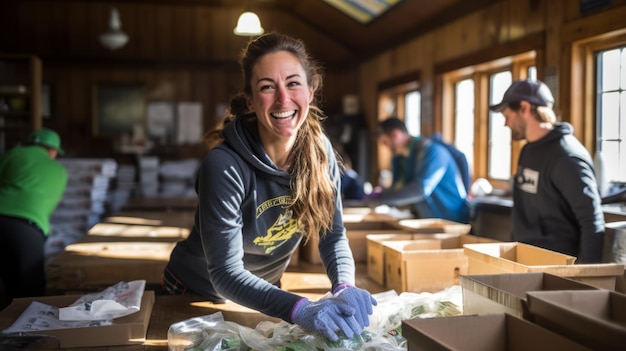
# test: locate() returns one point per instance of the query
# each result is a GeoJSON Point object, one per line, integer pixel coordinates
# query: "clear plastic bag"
{"type": "Point", "coordinates": [212, 333]}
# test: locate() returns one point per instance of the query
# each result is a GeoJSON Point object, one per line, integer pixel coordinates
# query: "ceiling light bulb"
{"type": "Point", "coordinates": [114, 38]}
{"type": "Point", "coordinates": [248, 25]}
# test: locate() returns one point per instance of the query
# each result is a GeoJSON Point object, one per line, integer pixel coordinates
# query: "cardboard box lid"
{"type": "Point", "coordinates": [516, 254]}
{"type": "Point", "coordinates": [127, 330]}
{"type": "Point", "coordinates": [488, 332]}
{"type": "Point", "coordinates": [434, 225]}
{"type": "Point", "coordinates": [596, 318]}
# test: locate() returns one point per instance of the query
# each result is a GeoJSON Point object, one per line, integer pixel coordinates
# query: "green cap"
{"type": "Point", "coordinates": [46, 137]}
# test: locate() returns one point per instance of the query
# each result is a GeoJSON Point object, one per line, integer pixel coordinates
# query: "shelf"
{"type": "Point", "coordinates": [20, 98]}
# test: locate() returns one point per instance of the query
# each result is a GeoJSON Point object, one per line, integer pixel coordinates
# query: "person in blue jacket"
{"type": "Point", "coordinates": [425, 175]}
{"type": "Point", "coordinates": [269, 181]}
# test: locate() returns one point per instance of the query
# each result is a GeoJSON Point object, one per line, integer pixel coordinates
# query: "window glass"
{"type": "Point", "coordinates": [412, 112]}
{"type": "Point", "coordinates": [464, 118]}
{"type": "Point", "coordinates": [499, 134]}
{"type": "Point", "coordinates": [610, 107]}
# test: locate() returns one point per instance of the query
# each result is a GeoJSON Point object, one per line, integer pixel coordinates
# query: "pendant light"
{"type": "Point", "coordinates": [248, 24]}
{"type": "Point", "coordinates": [114, 38]}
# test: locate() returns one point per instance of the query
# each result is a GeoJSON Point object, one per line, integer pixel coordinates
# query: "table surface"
{"type": "Point", "coordinates": [166, 311]}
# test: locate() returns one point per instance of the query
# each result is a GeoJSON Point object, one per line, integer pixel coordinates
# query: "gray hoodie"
{"type": "Point", "coordinates": [244, 235]}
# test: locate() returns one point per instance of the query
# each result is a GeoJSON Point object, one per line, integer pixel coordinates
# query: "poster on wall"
{"type": "Point", "coordinates": [189, 121]}
{"type": "Point", "coordinates": [160, 121]}
{"type": "Point", "coordinates": [118, 109]}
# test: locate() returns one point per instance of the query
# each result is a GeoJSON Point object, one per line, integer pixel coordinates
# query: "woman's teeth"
{"type": "Point", "coordinates": [283, 115]}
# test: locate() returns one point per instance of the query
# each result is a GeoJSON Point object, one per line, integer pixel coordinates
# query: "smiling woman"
{"type": "Point", "coordinates": [269, 180]}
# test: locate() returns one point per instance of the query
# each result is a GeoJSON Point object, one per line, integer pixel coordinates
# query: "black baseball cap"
{"type": "Point", "coordinates": [535, 92]}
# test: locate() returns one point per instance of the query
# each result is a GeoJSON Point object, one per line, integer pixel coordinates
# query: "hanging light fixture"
{"type": "Point", "coordinates": [248, 24]}
{"type": "Point", "coordinates": [114, 38]}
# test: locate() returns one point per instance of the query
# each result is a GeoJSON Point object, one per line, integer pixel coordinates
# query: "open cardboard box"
{"type": "Point", "coordinates": [376, 251]}
{"type": "Point", "coordinates": [514, 257]}
{"type": "Point", "coordinates": [126, 330]}
{"type": "Point", "coordinates": [495, 293]}
{"type": "Point", "coordinates": [488, 332]}
{"type": "Point", "coordinates": [426, 265]}
{"type": "Point", "coordinates": [356, 233]}
{"type": "Point", "coordinates": [595, 318]}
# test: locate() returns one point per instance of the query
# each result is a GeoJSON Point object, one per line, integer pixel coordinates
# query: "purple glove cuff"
{"type": "Point", "coordinates": [296, 307]}
{"type": "Point", "coordinates": [340, 287]}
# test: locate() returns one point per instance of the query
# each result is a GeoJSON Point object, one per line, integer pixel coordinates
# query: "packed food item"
{"type": "Point", "coordinates": [213, 333]}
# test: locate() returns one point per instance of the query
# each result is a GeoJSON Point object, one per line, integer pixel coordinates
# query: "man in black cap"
{"type": "Point", "coordinates": [32, 183]}
{"type": "Point", "coordinates": [556, 203]}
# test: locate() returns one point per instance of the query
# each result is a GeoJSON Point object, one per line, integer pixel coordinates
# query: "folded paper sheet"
{"type": "Point", "coordinates": [116, 301]}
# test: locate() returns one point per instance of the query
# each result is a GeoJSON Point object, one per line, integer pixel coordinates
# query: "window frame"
{"type": "Point", "coordinates": [480, 73]}
{"type": "Point", "coordinates": [583, 113]}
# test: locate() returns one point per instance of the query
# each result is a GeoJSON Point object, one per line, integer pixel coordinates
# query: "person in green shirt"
{"type": "Point", "coordinates": [32, 183]}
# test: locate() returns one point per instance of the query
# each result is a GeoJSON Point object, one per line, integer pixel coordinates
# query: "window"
{"type": "Point", "coordinates": [499, 158]}
{"type": "Point", "coordinates": [611, 112]}
{"type": "Point", "coordinates": [399, 98]}
{"type": "Point", "coordinates": [475, 130]}
{"type": "Point", "coordinates": [412, 113]}
{"type": "Point", "coordinates": [464, 121]}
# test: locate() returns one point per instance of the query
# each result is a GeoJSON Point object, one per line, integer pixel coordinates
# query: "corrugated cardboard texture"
{"type": "Point", "coordinates": [496, 293]}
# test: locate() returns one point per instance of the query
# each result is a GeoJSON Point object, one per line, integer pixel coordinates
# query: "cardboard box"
{"type": "Point", "coordinates": [595, 318]}
{"type": "Point", "coordinates": [94, 266]}
{"type": "Point", "coordinates": [356, 233]}
{"type": "Point", "coordinates": [496, 293]}
{"type": "Point", "coordinates": [434, 225]}
{"type": "Point", "coordinates": [410, 268]}
{"type": "Point", "coordinates": [489, 332]}
{"type": "Point", "coordinates": [376, 252]}
{"type": "Point", "coordinates": [514, 257]}
{"type": "Point", "coordinates": [126, 330]}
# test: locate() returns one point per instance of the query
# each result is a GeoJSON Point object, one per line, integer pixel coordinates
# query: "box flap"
{"type": "Point", "coordinates": [596, 318]}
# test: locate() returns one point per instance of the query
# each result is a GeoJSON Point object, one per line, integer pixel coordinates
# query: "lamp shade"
{"type": "Point", "coordinates": [114, 38]}
{"type": "Point", "coordinates": [248, 25]}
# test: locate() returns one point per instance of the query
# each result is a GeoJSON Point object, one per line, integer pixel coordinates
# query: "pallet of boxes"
{"type": "Point", "coordinates": [521, 297]}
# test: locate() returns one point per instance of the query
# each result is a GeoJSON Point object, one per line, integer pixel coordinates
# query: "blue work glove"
{"type": "Point", "coordinates": [326, 316]}
{"type": "Point", "coordinates": [359, 299]}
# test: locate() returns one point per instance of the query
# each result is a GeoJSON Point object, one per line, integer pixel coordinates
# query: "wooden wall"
{"type": "Point", "coordinates": [172, 53]}
{"type": "Point", "coordinates": [506, 28]}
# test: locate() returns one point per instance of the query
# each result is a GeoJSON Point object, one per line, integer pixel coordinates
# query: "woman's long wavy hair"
{"type": "Point", "coordinates": [313, 193]}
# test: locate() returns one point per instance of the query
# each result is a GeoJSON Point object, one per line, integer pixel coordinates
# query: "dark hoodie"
{"type": "Point", "coordinates": [556, 200]}
{"type": "Point", "coordinates": [244, 235]}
